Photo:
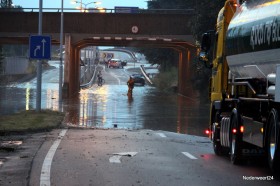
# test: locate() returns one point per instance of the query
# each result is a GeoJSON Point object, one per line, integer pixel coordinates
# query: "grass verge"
{"type": "Point", "coordinates": [30, 121]}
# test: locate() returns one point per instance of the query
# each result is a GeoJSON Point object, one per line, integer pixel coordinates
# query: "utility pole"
{"type": "Point", "coordinates": [61, 57]}
{"type": "Point", "coordinates": [39, 63]}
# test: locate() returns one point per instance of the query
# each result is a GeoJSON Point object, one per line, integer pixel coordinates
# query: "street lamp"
{"type": "Point", "coordinates": [85, 5]}
{"type": "Point", "coordinates": [61, 57]}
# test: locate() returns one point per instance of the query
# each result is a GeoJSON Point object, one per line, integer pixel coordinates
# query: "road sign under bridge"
{"type": "Point", "coordinates": [39, 47]}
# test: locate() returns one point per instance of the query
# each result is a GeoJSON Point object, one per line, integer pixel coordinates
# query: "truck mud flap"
{"type": "Point", "coordinates": [249, 151]}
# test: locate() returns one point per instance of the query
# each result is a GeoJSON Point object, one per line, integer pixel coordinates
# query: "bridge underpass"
{"type": "Point", "coordinates": [185, 51]}
{"type": "Point", "coordinates": [97, 29]}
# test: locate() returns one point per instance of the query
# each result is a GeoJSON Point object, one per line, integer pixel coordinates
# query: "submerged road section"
{"type": "Point", "coordinates": [108, 106]}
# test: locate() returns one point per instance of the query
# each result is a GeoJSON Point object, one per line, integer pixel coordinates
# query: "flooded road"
{"type": "Point", "coordinates": [109, 107]}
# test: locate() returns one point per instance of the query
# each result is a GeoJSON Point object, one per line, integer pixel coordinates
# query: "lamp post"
{"type": "Point", "coordinates": [39, 63]}
{"type": "Point", "coordinates": [85, 5]}
{"type": "Point", "coordinates": [61, 58]}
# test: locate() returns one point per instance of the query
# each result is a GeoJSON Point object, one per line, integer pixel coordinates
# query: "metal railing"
{"type": "Point", "coordinates": [96, 10]}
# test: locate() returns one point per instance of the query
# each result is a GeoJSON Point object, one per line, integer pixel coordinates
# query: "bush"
{"type": "Point", "coordinates": [166, 80]}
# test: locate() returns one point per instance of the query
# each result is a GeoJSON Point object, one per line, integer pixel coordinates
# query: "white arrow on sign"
{"type": "Point", "coordinates": [117, 157]}
{"type": "Point", "coordinates": [43, 42]}
{"type": "Point", "coordinates": [36, 49]}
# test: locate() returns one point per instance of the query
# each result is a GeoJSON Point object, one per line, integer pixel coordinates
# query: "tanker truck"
{"type": "Point", "coordinates": [243, 53]}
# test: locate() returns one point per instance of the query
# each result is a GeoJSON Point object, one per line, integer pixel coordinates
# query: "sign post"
{"type": "Point", "coordinates": [61, 59]}
{"type": "Point", "coordinates": [39, 63]}
{"type": "Point", "coordinates": [40, 49]}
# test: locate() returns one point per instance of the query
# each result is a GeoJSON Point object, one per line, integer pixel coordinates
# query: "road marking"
{"type": "Point", "coordinates": [189, 155]}
{"type": "Point", "coordinates": [115, 159]}
{"type": "Point", "coordinates": [119, 81]}
{"type": "Point", "coordinates": [46, 168]}
{"type": "Point", "coordinates": [117, 156]}
{"type": "Point", "coordinates": [161, 135]}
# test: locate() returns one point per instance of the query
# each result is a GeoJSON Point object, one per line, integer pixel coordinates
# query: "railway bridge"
{"type": "Point", "coordinates": [169, 29]}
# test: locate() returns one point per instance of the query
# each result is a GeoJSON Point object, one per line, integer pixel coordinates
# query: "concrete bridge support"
{"type": "Point", "coordinates": [71, 84]}
{"type": "Point", "coordinates": [185, 87]}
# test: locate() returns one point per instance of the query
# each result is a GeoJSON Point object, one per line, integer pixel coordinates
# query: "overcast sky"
{"type": "Point", "coordinates": [109, 4]}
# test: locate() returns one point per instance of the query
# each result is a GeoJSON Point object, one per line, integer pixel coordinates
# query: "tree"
{"type": "Point", "coordinates": [203, 20]}
{"type": "Point", "coordinates": [9, 6]}
{"type": "Point", "coordinates": [1, 61]}
{"type": "Point", "coordinates": [6, 3]}
{"type": "Point", "coordinates": [174, 4]}
{"type": "Point", "coordinates": [165, 57]}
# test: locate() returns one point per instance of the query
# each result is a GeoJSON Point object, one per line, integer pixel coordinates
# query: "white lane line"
{"type": "Point", "coordinates": [115, 76]}
{"type": "Point", "coordinates": [189, 155]}
{"type": "Point", "coordinates": [161, 135]}
{"type": "Point", "coordinates": [46, 168]}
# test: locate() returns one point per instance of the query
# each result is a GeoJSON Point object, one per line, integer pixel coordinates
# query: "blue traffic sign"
{"type": "Point", "coordinates": [39, 47]}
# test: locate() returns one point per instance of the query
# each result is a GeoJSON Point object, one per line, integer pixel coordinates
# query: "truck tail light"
{"type": "Point", "coordinates": [207, 131]}
{"type": "Point", "coordinates": [241, 129]}
{"type": "Point", "coordinates": [234, 130]}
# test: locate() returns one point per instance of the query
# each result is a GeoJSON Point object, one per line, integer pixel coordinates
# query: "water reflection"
{"type": "Point", "coordinates": [192, 115]}
{"type": "Point", "coordinates": [109, 105]}
{"type": "Point", "coordinates": [22, 96]}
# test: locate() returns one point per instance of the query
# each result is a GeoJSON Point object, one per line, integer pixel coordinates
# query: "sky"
{"type": "Point", "coordinates": [108, 4]}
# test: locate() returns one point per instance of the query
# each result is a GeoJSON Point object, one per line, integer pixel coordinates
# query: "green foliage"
{"type": "Point", "coordinates": [206, 16]}
{"type": "Point", "coordinates": [165, 57]}
{"type": "Point", "coordinates": [9, 6]}
{"type": "Point", "coordinates": [205, 19]}
{"type": "Point", "coordinates": [174, 4]}
{"type": "Point", "coordinates": [205, 12]}
{"type": "Point", "coordinates": [1, 60]}
{"type": "Point", "coordinates": [6, 3]}
{"type": "Point", "coordinates": [166, 79]}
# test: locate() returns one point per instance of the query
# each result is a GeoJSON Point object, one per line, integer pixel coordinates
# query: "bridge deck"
{"type": "Point", "coordinates": [22, 24]}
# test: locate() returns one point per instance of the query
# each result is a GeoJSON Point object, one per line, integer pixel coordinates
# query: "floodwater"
{"type": "Point", "coordinates": [108, 106]}
{"type": "Point", "coordinates": [22, 96]}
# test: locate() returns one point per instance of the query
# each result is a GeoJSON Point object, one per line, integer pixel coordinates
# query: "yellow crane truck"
{"type": "Point", "coordinates": [244, 54]}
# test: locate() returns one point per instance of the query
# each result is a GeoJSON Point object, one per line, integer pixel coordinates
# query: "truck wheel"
{"type": "Point", "coordinates": [235, 140]}
{"type": "Point", "coordinates": [218, 149]}
{"type": "Point", "coordinates": [273, 146]}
